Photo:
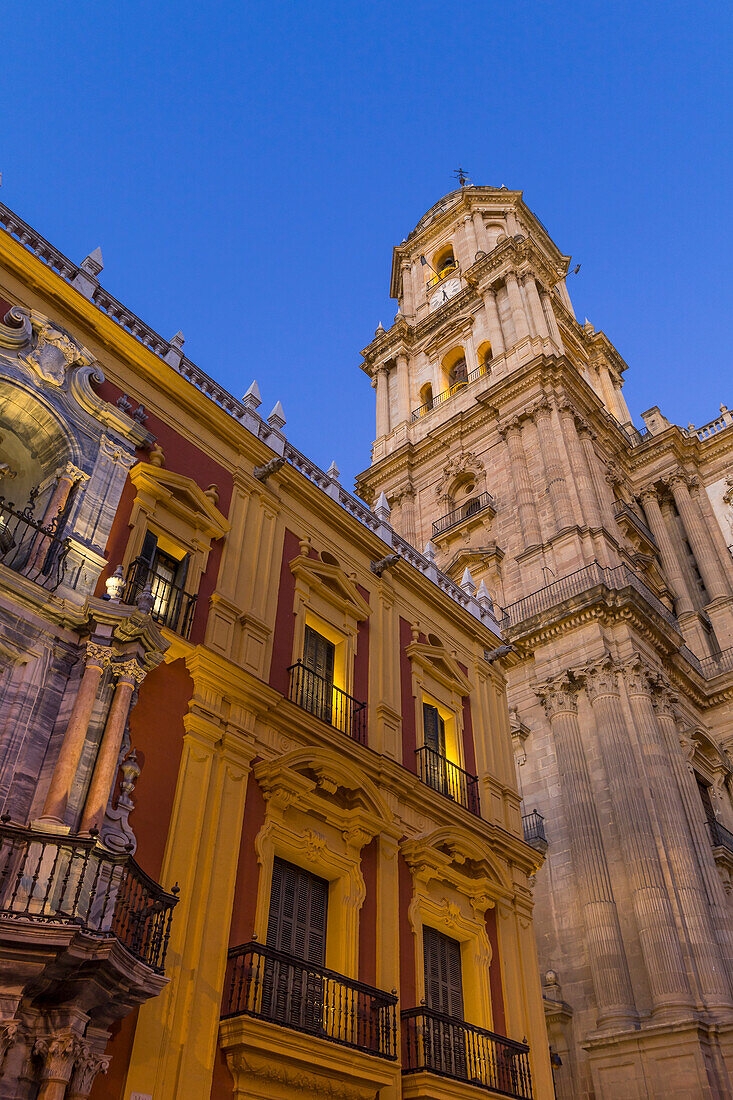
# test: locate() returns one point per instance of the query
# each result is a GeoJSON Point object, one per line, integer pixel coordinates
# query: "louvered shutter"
{"type": "Point", "coordinates": [319, 654]}
{"type": "Point", "coordinates": [298, 912]}
{"type": "Point", "coordinates": [706, 800]}
{"type": "Point", "coordinates": [434, 729]}
{"type": "Point", "coordinates": [149, 549]}
{"type": "Point", "coordinates": [443, 982]}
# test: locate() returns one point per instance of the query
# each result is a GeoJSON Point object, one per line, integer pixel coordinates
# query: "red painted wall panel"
{"type": "Point", "coordinates": [361, 657]}
{"type": "Point", "coordinates": [409, 733]}
{"type": "Point", "coordinates": [497, 992]}
{"type": "Point", "coordinates": [368, 915]}
{"type": "Point", "coordinates": [282, 646]}
{"type": "Point", "coordinates": [469, 751]}
{"type": "Point", "coordinates": [408, 986]}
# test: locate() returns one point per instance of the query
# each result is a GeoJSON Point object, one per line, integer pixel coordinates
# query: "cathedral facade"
{"type": "Point", "coordinates": [505, 448]}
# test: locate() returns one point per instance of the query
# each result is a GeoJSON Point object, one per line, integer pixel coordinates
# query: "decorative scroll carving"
{"type": "Point", "coordinates": [559, 696]}
{"type": "Point", "coordinates": [601, 678]}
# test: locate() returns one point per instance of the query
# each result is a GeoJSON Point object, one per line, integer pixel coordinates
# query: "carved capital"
{"type": "Point", "coordinates": [639, 677]}
{"type": "Point", "coordinates": [648, 494]}
{"type": "Point", "coordinates": [100, 656]}
{"type": "Point", "coordinates": [88, 1064]}
{"type": "Point", "coordinates": [129, 672]}
{"type": "Point", "coordinates": [601, 678]}
{"type": "Point", "coordinates": [559, 696]}
{"type": "Point", "coordinates": [58, 1054]}
{"type": "Point", "coordinates": [542, 410]}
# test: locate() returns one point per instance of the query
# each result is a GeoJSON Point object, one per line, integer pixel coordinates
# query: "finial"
{"type": "Point", "coordinates": [252, 399]}
{"type": "Point", "coordinates": [276, 419]}
{"type": "Point", "coordinates": [429, 551]}
{"type": "Point", "coordinates": [115, 585]}
{"type": "Point", "coordinates": [484, 597]}
{"type": "Point", "coordinates": [93, 263]}
{"type": "Point", "coordinates": [177, 341]}
{"type": "Point", "coordinates": [382, 509]}
{"type": "Point", "coordinates": [467, 582]}
{"type": "Point", "coordinates": [333, 471]}
{"type": "Point", "coordinates": [380, 329]}
{"type": "Point", "coordinates": [144, 602]}
{"type": "Point", "coordinates": [157, 458]}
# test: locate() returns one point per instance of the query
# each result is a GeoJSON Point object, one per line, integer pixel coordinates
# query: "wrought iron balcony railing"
{"type": "Point", "coordinates": [717, 663]}
{"type": "Point", "coordinates": [579, 582]}
{"type": "Point", "coordinates": [282, 989]}
{"type": "Point", "coordinates": [440, 276]}
{"type": "Point", "coordinates": [448, 1047]}
{"type": "Point", "coordinates": [439, 398]}
{"type": "Point", "coordinates": [318, 696]}
{"type": "Point", "coordinates": [447, 778]}
{"type": "Point", "coordinates": [622, 510]}
{"type": "Point", "coordinates": [51, 879]}
{"type": "Point", "coordinates": [471, 508]}
{"type": "Point", "coordinates": [172, 606]}
{"type": "Point", "coordinates": [29, 547]}
{"type": "Point", "coordinates": [533, 826]}
{"type": "Point", "coordinates": [720, 837]}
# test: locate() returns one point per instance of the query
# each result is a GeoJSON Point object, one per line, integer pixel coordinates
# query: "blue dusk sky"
{"type": "Point", "coordinates": [247, 167]}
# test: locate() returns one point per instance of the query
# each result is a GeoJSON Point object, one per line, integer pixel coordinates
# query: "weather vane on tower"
{"type": "Point", "coordinates": [461, 176]}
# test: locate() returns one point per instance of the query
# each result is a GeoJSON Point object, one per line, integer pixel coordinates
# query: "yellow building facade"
{"type": "Point", "coordinates": [274, 700]}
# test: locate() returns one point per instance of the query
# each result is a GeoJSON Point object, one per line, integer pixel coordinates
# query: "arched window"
{"type": "Point", "coordinates": [426, 399]}
{"type": "Point", "coordinates": [485, 356]}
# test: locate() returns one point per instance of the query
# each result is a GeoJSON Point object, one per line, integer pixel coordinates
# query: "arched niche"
{"type": "Point", "coordinates": [33, 447]}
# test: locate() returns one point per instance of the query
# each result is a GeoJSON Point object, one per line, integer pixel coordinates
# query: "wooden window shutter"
{"type": "Point", "coordinates": [149, 549]}
{"type": "Point", "coordinates": [433, 728]}
{"type": "Point", "coordinates": [443, 980]}
{"type": "Point", "coordinates": [318, 654]}
{"type": "Point", "coordinates": [706, 800]}
{"type": "Point", "coordinates": [298, 910]}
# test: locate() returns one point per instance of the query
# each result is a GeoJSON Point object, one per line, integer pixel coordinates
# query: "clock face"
{"type": "Point", "coordinates": [443, 292]}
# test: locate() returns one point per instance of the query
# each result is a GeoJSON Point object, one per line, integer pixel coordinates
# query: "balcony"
{"type": "Point", "coordinates": [448, 1047]}
{"type": "Point", "coordinates": [318, 696]}
{"type": "Point", "coordinates": [31, 548]}
{"type": "Point", "coordinates": [533, 827]}
{"type": "Point", "coordinates": [439, 277]}
{"type": "Point", "coordinates": [172, 606]}
{"type": "Point", "coordinates": [47, 879]}
{"type": "Point", "coordinates": [717, 663]}
{"type": "Point", "coordinates": [720, 837]}
{"type": "Point", "coordinates": [577, 584]}
{"type": "Point", "coordinates": [627, 517]}
{"type": "Point", "coordinates": [280, 989]}
{"type": "Point", "coordinates": [471, 508]}
{"type": "Point", "coordinates": [448, 779]}
{"type": "Point", "coordinates": [439, 398]}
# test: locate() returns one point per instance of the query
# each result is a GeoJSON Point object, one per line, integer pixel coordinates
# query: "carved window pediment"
{"type": "Point", "coordinates": [437, 663]}
{"type": "Point", "coordinates": [180, 496]}
{"type": "Point", "coordinates": [332, 584]}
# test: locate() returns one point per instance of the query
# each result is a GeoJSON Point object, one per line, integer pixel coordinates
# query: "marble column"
{"type": "Point", "coordinates": [493, 324]}
{"type": "Point", "coordinates": [382, 402]}
{"type": "Point", "coordinates": [130, 674]}
{"type": "Point", "coordinates": [699, 539]}
{"type": "Point", "coordinates": [677, 842]}
{"type": "Point", "coordinates": [655, 921]}
{"type": "Point", "coordinates": [603, 941]}
{"type": "Point", "coordinates": [403, 387]}
{"type": "Point", "coordinates": [586, 490]}
{"type": "Point", "coordinates": [555, 478]}
{"type": "Point", "coordinates": [68, 478]}
{"type": "Point", "coordinates": [516, 305]}
{"type": "Point", "coordinates": [97, 658]}
{"type": "Point", "coordinates": [535, 305]}
{"type": "Point", "coordinates": [663, 702]}
{"type": "Point", "coordinates": [524, 492]}
{"type": "Point", "coordinates": [670, 561]}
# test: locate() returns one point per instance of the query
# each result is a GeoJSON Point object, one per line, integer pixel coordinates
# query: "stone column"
{"type": "Point", "coordinates": [524, 493]}
{"type": "Point", "coordinates": [555, 477]}
{"type": "Point", "coordinates": [469, 237]}
{"type": "Point", "coordinates": [86, 1068]}
{"type": "Point", "coordinates": [702, 546]}
{"type": "Point", "coordinates": [702, 500]}
{"type": "Point", "coordinates": [68, 478]}
{"type": "Point", "coordinates": [97, 658]}
{"type": "Point", "coordinates": [130, 674]}
{"type": "Point", "coordinates": [663, 702]}
{"type": "Point", "coordinates": [516, 305]}
{"type": "Point", "coordinates": [438, 381]}
{"type": "Point", "coordinates": [655, 921]}
{"type": "Point", "coordinates": [607, 390]}
{"type": "Point", "coordinates": [587, 435]}
{"type": "Point", "coordinates": [479, 230]}
{"type": "Point", "coordinates": [667, 552]}
{"type": "Point", "coordinates": [583, 478]}
{"type": "Point", "coordinates": [58, 1054]}
{"type": "Point", "coordinates": [551, 318]}
{"type": "Point", "coordinates": [403, 387]}
{"type": "Point", "coordinates": [604, 944]}
{"type": "Point", "coordinates": [677, 841]}
{"type": "Point", "coordinates": [493, 324]}
{"type": "Point", "coordinates": [382, 402]}
{"type": "Point", "coordinates": [535, 305]}
{"type": "Point", "coordinates": [409, 529]}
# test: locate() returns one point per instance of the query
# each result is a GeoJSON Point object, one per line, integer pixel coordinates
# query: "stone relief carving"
{"type": "Point", "coordinates": [55, 352]}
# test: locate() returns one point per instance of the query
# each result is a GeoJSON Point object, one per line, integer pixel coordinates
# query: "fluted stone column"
{"type": "Point", "coordinates": [698, 537]}
{"type": "Point", "coordinates": [555, 476]}
{"type": "Point", "coordinates": [535, 305]}
{"type": "Point", "coordinates": [524, 492]}
{"type": "Point", "coordinates": [587, 435]}
{"type": "Point", "coordinates": [130, 674]}
{"type": "Point", "coordinates": [677, 841]}
{"type": "Point", "coordinates": [469, 237]}
{"type": "Point", "coordinates": [409, 529]}
{"type": "Point", "coordinates": [403, 387]}
{"type": "Point", "coordinates": [516, 305]}
{"type": "Point", "coordinates": [583, 478]}
{"type": "Point", "coordinates": [479, 230]}
{"type": "Point", "coordinates": [97, 658]}
{"type": "Point", "coordinates": [604, 943]}
{"type": "Point", "coordinates": [668, 554]}
{"type": "Point", "coordinates": [663, 702]}
{"type": "Point", "coordinates": [382, 402]}
{"type": "Point", "coordinates": [493, 324]}
{"type": "Point", "coordinates": [712, 527]}
{"type": "Point", "coordinates": [551, 318]}
{"type": "Point", "coordinates": [654, 917]}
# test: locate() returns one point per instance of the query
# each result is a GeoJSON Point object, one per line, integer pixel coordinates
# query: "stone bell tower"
{"type": "Point", "coordinates": [504, 440]}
